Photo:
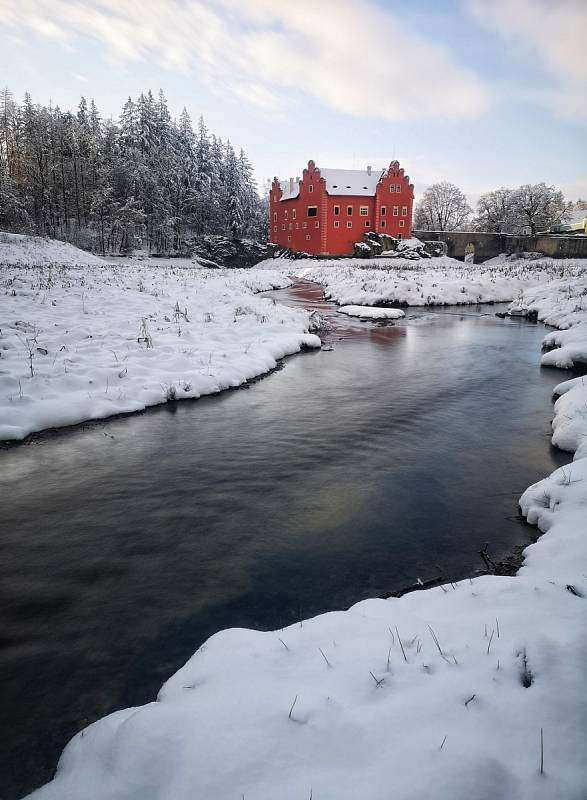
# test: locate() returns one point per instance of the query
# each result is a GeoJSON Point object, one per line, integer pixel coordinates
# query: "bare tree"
{"type": "Point", "coordinates": [496, 211]}
{"type": "Point", "coordinates": [537, 206]}
{"type": "Point", "coordinates": [443, 207]}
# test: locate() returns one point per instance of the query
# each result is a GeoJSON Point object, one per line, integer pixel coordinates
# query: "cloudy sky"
{"type": "Point", "coordinates": [483, 93]}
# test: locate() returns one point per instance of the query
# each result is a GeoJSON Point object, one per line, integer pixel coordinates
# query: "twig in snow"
{"type": "Point", "coordinates": [324, 657]}
{"type": "Point", "coordinates": [443, 741]}
{"type": "Point", "coordinates": [388, 658]}
{"type": "Point", "coordinates": [283, 643]}
{"type": "Point", "coordinates": [473, 696]}
{"type": "Point", "coordinates": [392, 636]}
{"type": "Point", "coordinates": [541, 751]}
{"type": "Point", "coordinates": [292, 706]}
{"type": "Point", "coordinates": [490, 640]}
{"type": "Point", "coordinates": [401, 645]}
{"type": "Point", "coordinates": [379, 682]}
{"type": "Point", "coordinates": [497, 626]}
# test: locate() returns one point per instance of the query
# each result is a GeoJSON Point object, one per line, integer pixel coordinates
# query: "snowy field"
{"type": "Point", "coordinates": [470, 690]}
{"type": "Point", "coordinates": [83, 339]}
{"type": "Point", "coordinates": [437, 281]}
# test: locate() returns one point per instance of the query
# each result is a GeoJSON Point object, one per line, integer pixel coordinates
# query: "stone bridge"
{"type": "Point", "coordinates": [489, 245]}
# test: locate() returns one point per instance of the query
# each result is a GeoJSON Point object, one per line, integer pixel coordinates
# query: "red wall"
{"type": "Point", "coordinates": [291, 227]}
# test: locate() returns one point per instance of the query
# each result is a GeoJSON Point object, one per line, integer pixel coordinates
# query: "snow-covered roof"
{"type": "Point", "coordinates": [351, 181]}
{"type": "Point", "coordinates": [286, 194]}
{"type": "Point", "coordinates": [340, 181]}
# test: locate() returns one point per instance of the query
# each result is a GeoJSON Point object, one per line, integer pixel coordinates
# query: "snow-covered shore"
{"type": "Point", "coordinates": [470, 690]}
{"type": "Point", "coordinates": [84, 339]}
{"type": "Point", "coordinates": [436, 281]}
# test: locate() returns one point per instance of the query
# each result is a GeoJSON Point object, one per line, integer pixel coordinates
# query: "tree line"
{"type": "Point", "coordinates": [145, 180]}
{"type": "Point", "coordinates": [526, 210]}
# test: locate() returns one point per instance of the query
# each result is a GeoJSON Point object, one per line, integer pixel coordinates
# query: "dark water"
{"type": "Point", "coordinates": [345, 475]}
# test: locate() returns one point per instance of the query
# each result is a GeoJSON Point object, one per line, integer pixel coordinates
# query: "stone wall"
{"type": "Point", "coordinates": [489, 245]}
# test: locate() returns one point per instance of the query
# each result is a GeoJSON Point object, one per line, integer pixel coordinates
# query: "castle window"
{"type": "Point", "coordinates": [316, 224]}
{"type": "Point", "coordinates": [308, 237]}
{"type": "Point", "coordinates": [399, 236]}
{"type": "Point", "coordinates": [392, 187]}
{"type": "Point", "coordinates": [275, 216]}
{"type": "Point", "coordinates": [293, 214]}
{"type": "Point", "coordinates": [297, 225]}
{"type": "Point", "coordinates": [401, 223]}
{"type": "Point", "coordinates": [404, 211]}
{"type": "Point", "coordinates": [285, 214]}
{"type": "Point", "coordinates": [336, 211]}
{"type": "Point", "coordinates": [304, 224]}
{"type": "Point", "coordinates": [312, 211]}
{"type": "Point", "coordinates": [383, 223]}
{"type": "Point", "coordinates": [349, 211]}
{"type": "Point", "coordinates": [364, 210]}
{"type": "Point", "coordinates": [398, 187]}
{"type": "Point", "coordinates": [283, 227]}
{"type": "Point", "coordinates": [396, 211]}
{"type": "Point", "coordinates": [275, 229]}
{"type": "Point", "coordinates": [311, 188]}
{"type": "Point", "coordinates": [349, 224]}
{"type": "Point", "coordinates": [336, 223]}
{"type": "Point", "coordinates": [289, 238]}
{"type": "Point", "coordinates": [367, 223]}
{"type": "Point", "coordinates": [383, 211]}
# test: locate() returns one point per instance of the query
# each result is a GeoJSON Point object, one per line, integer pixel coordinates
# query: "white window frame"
{"type": "Point", "coordinates": [317, 224]}
{"type": "Point", "coordinates": [311, 188]}
{"type": "Point", "coordinates": [349, 211]}
{"type": "Point", "coordinates": [401, 223]}
{"type": "Point", "coordinates": [404, 211]}
{"type": "Point", "coordinates": [275, 216]}
{"type": "Point", "coordinates": [308, 211]}
{"type": "Point", "coordinates": [383, 211]}
{"type": "Point", "coordinates": [275, 229]}
{"type": "Point", "coordinates": [367, 223]}
{"type": "Point", "coordinates": [304, 224]}
{"type": "Point", "coordinates": [289, 238]}
{"type": "Point", "coordinates": [383, 223]}
{"type": "Point", "coordinates": [283, 226]}
{"type": "Point", "coordinates": [363, 211]}
{"type": "Point", "coordinates": [337, 223]}
{"type": "Point", "coordinates": [337, 211]}
{"type": "Point", "coordinates": [349, 224]}
{"type": "Point", "coordinates": [308, 237]}
{"type": "Point", "coordinates": [293, 214]}
{"type": "Point", "coordinates": [396, 211]}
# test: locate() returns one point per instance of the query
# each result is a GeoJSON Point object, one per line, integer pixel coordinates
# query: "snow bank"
{"type": "Point", "coordinates": [24, 250]}
{"type": "Point", "coordinates": [79, 343]}
{"type": "Point", "coordinates": [438, 281]}
{"type": "Point", "coordinates": [368, 312]}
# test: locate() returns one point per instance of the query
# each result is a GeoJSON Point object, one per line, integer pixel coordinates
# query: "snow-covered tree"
{"type": "Point", "coordinates": [107, 185]}
{"type": "Point", "coordinates": [443, 207]}
{"type": "Point", "coordinates": [496, 211]}
{"type": "Point", "coordinates": [537, 207]}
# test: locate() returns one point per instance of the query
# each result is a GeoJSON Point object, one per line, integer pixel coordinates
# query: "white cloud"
{"type": "Point", "coordinates": [550, 34]}
{"type": "Point", "coordinates": [351, 57]}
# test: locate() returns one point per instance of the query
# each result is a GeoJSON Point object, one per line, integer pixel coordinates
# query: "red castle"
{"type": "Point", "coordinates": [328, 210]}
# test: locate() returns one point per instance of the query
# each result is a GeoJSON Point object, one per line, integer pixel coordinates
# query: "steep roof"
{"type": "Point", "coordinates": [351, 181]}
{"type": "Point", "coordinates": [340, 182]}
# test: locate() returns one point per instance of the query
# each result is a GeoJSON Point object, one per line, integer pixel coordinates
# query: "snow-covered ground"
{"type": "Point", "coordinates": [436, 281]}
{"type": "Point", "coordinates": [83, 339]}
{"type": "Point", "coordinates": [369, 312]}
{"type": "Point", "coordinates": [470, 690]}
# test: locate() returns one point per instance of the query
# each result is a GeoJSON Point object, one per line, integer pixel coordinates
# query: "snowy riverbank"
{"type": "Point", "coordinates": [436, 281]}
{"type": "Point", "coordinates": [444, 693]}
{"type": "Point", "coordinates": [84, 339]}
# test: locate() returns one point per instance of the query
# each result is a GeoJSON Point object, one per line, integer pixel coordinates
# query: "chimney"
{"type": "Point", "coordinates": [291, 185]}
{"type": "Point", "coordinates": [369, 169]}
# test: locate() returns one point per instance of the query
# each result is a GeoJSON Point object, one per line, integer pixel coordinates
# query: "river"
{"type": "Point", "coordinates": [349, 473]}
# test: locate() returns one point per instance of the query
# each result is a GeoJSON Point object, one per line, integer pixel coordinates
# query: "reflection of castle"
{"type": "Point", "coordinates": [328, 210]}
